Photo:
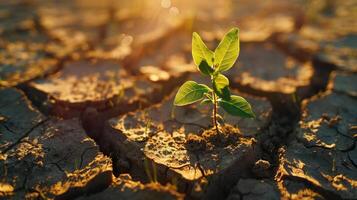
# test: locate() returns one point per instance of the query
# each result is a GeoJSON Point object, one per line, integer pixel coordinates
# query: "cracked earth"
{"type": "Point", "coordinates": [87, 88]}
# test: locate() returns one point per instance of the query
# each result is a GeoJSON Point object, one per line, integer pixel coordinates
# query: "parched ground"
{"type": "Point", "coordinates": [86, 93]}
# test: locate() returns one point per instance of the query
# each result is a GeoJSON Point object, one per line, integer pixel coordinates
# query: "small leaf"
{"type": "Point", "coordinates": [206, 101]}
{"type": "Point", "coordinates": [226, 94]}
{"type": "Point", "coordinates": [220, 86]}
{"type": "Point", "coordinates": [190, 92]}
{"type": "Point", "coordinates": [237, 106]}
{"type": "Point", "coordinates": [205, 68]}
{"type": "Point", "coordinates": [227, 51]}
{"type": "Point", "coordinates": [200, 51]}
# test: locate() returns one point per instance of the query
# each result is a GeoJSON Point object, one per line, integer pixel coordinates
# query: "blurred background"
{"type": "Point", "coordinates": [58, 41]}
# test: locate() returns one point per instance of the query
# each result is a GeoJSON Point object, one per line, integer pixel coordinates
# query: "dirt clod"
{"type": "Point", "coordinates": [195, 143]}
{"type": "Point", "coordinates": [261, 169]}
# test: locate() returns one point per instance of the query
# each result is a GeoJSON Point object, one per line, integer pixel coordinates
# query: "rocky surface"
{"type": "Point", "coordinates": [323, 153]}
{"type": "Point", "coordinates": [15, 16]}
{"type": "Point", "coordinates": [262, 67]}
{"type": "Point", "coordinates": [297, 189]}
{"type": "Point", "coordinates": [99, 84]}
{"type": "Point", "coordinates": [18, 118]}
{"type": "Point", "coordinates": [328, 122]}
{"type": "Point", "coordinates": [175, 139]}
{"type": "Point", "coordinates": [343, 82]}
{"type": "Point", "coordinates": [55, 159]}
{"type": "Point", "coordinates": [254, 189]}
{"type": "Point", "coordinates": [24, 57]}
{"type": "Point", "coordinates": [169, 59]}
{"type": "Point", "coordinates": [341, 53]}
{"type": "Point", "coordinates": [123, 187]}
{"type": "Point", "coordinates": [86, 93]}
{"type": "Point", "coordinates": [37, 163]}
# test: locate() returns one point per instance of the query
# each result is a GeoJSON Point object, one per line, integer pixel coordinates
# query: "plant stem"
{"type": "Point", "coordinates": [214, 114]}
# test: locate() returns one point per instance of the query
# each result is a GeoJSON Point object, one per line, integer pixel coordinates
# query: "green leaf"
{"type": "Point", "coordinates": [227, 51]}
{"type": "Point", "coordinates": [190, 92]}
{"type": "Point", "coordinates": [205, 68]}
{"type": "Point", "coordinates": [225, 94]}
{"type": "Point", "coordinates": [220, 86]}
{"type": "Point", "coordinates": [237, 106]}
{"type": "Point", "coordinates": [200, 51]}
{"type": "Point", "coordinates": [206, 101]}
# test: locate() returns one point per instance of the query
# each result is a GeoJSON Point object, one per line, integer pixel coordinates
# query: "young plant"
{"type": "Point", "coordinates": [212, 64]}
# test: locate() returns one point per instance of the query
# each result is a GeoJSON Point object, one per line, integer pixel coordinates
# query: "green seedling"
{"type": "Point", "coordinates": [212, 64]}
